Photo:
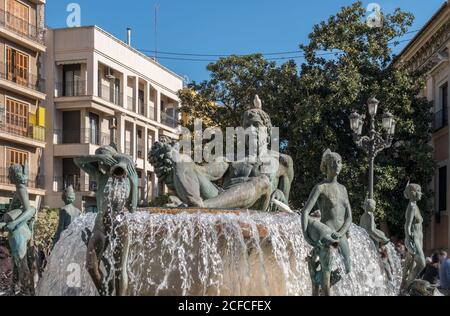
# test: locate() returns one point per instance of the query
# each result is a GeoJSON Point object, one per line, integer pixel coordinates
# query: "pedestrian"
{"type": "Point", "coordinates": [431, 272]}
{"type": "Point", "coordinates": [444, 273]}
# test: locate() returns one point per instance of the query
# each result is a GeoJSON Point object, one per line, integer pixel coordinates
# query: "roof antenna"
{"type": "Point", "coordinates": [157, 6]}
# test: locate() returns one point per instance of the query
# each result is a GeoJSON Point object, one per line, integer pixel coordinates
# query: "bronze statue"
{"type": "Point", "coordinates": [19, 224]}
{"type": "Point", "coordinates": [223, 184]}
{"type": "Point", "coordinates": [368, 223]}
{"type": "Point", "coordinates": [67, 214]}
{"type": "Point", "coordinates": [415, 258]}
{"type": "Point", "coordinates": [336, 215]}
{"type": "Point", "coordinates": [105, 165]}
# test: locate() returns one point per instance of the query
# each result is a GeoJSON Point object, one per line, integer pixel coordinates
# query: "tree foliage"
{"type": "Point", "coordinates": [346, 63]}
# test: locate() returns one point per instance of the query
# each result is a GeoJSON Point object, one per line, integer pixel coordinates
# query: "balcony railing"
{"type": "Point", "coordinates": [141, 151]}
{"type": "Point", "coordinates": [34, 181]}
{"type": "Point", "coordinates": [71, 88]}
{"type": "Point", "coordinates": [128, 149]}
{"type": "Point", "coordinates": [151, 112]}
{"type": "Point", "coordinates": [169, 120]}
{"type": "Point", "coordinates": [74, 180]}
{"type": "Point", "coordinates": [21, 77]}
{"type": "Point", "coordinates": [83, 136]}
{"type": "Point", "coordinates": [21, 27]}
{"type": "Point", "coordinates": [32, 132]}
{"type": "Point", "coordinates": [141, 106]}
{"type": "Point", "coordinates": [109, 94]}
{"type": "Point", "coordinates": [440, 119]}
{"type": "Point", "coordinates": [130, 103]}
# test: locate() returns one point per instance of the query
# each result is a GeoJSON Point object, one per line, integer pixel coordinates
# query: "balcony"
{"type": "Point", "coordinates": [71, 89]}
{"type": "Point", "coordinates": [109, 94]}
{"type": "Point", "coordinates": [128, 149]}
{"type": "Point", "coordinates": [168, 120]}
{"type": "Point", "coordinates": [141, 106]}
{"type": "Point", "coordinates": [34, 181]}
{"type": "Point", "coordinates": [151, 112]}
{"type": "Point", "coordinates": [32, 132]}
{"type": "Point", "coordinates": [74, 180]}
{"type": "Point", "coordinates": [440, 119]}
{"type": "Point", "coordinates": [140, 151]}
{"type": "Point", "coordinates": [21, 78]}
{"type": "Point", "coordinates": [130, 103]}
{"type": "Point", "coordinates": [23, 30]}
{"type": "Point", "coordinates": [83, 136]}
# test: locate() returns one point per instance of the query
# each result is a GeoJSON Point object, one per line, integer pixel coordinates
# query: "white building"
{"type": "Point", "coordinates": [97, 77]}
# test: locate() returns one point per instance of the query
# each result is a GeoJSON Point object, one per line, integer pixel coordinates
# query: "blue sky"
{"type": "Point", "coordinates": [218, 27]}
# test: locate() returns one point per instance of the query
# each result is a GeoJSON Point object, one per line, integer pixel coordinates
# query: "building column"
{"type": "Point", "coordinates": [155, 181]}
{"type": "Point", "coordinates": [136, 94]}
{"type": "Point", "coordinates": [158, 106]}
{"type": "Point", "coordinates": [134, 142]}
{"type": "Point", "coordinates": [121, 133]}
{"type": "Point", "coordinates": [145, 175]}
{"type": "Point", "coordinates": [448, 166]}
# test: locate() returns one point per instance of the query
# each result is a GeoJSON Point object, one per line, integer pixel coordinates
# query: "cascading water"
{"type": "Point", "coordinates": [232, 254]}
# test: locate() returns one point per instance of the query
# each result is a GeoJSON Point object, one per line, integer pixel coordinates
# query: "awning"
{"type": "Point", "coordinates": [71, 62]}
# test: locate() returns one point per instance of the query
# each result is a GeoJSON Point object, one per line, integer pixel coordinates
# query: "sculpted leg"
{"type": "Point", "coordinates": [26, 281]}
{"type": "Point", "coordinates": [344, 249]}
{"type": "Point", "coordinates": [121, 260]}
{"type": "Point", "coordinates": [96, 248]}
{"type": "Point", "coordinates": [419, 265]}
{"type": "Point", "coordinates": [325, 262]}
{"type": "Point", "coordinates": [244, 195]}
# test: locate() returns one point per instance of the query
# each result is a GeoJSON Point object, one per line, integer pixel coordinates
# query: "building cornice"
{"type": "Point", "coordinates": [421, 53]}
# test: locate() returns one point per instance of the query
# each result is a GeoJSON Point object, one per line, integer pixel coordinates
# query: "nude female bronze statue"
{"type": "Point", "coordinates": [106, 164]}
{"type": "Point", "coordinates": [336, 215]}
{"type": "Point", "coordinates": [368, 223]}
{"type": "Point", "coordinates": [19, 224]}
{"type": "Point", "coordinates": [415, 258]}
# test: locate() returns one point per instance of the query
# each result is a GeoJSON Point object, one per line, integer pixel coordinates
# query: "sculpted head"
{"type": "Point", "coordinates": [370, 206]}
{"type": "Point", "coordinates": [331, 164]}
{"type": "Point", "coordinates": [259, 120]}
{"type": "Point", "coordinates": [68, 195]}
{"type": "Point", "coordinates": [18, 174]}
{"type": "Point", "coordinates": [160, 156]}
{"type": "Point", "coordinates": [413, 192]}
{"type": "Point", "coordinates": [109, 150]}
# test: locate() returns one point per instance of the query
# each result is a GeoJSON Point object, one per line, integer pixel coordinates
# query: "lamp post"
{"type": "Point", "coordinates": [374, 142]}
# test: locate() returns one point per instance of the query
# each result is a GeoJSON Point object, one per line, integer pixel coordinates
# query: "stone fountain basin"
{"type": "Point", "coordinates": [263, 231]}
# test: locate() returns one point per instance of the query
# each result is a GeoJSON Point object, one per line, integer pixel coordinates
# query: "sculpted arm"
{"type": "Point", "coordinates": [25, 217]}
{"type": "Point", "coordinates": [348, 217]}
{"type": "Point", "coordinates": [409, 221]}
{"type": "Point", "coordinates": [309, 207]}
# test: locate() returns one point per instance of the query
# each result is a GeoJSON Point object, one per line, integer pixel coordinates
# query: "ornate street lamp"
{"type": "Point", "coordinates": [375, 142]}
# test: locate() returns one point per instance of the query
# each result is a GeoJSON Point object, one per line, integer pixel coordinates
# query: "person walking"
{"type": "Point", "coordinates": [444, 273]}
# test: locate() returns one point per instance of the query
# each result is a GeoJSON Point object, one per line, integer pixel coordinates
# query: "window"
{"type": "Point", "coordinates": [72, 80]}
{"type": "Point", "coordinates": [16, 157]}
{"type": "Point", "coordinates": [18, 16]}
{"type": "Point", "coordinates": [444, 102]}
{"type": "Point", "coordinates": [94, 130]}
{"type": "Point", "coordinates": [17, 66]}
{"type": "Point", "coordinates": [17, 117]}
{"type": "Point", "coordinates": [442, 185]}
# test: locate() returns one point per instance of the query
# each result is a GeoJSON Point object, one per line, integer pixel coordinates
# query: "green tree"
{"type": "Point", "coordinates": [346, 62]}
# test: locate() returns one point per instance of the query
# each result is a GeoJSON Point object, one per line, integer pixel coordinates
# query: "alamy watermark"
{"type": "Point", "coordinates": [374, 16]}
{"type": "Point", "coordinates": [74, 17]}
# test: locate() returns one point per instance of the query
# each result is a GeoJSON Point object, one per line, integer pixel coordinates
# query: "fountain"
{"type": "Point", "coordinates": [215, 240]}
{"type": "Point", "coordinates": [218, 253]}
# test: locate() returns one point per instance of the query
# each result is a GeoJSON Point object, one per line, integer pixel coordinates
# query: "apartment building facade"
{"type": "Point", "coordinates": [98, 77]}
{"type": "Point", "coordinates": [22, 95]}
{"type": "Point", "coordinates": [429, 51]}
